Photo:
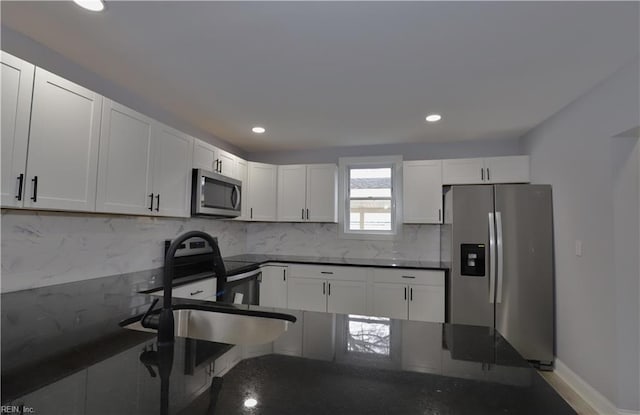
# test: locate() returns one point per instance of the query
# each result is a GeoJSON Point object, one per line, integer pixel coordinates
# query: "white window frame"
{"type": "Point", "coordinates": [344, 164]}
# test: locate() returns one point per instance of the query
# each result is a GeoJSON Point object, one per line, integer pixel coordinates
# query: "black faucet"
{"type": "Point", "coordinates": [163, 322]}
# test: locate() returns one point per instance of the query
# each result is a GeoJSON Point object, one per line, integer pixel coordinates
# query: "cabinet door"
{"type": "Point", "coordinates": [390, 300]}
{"type": "Point", "coordinates": [62, 163]}
{"type": "Point", "coordinates": [322, 190]}
{"type": "Point", "coordinates": [16, 90]}
{"type": "Point", "coordinates": [426, 303]}
{"type": "Point", "coordinates": [512, 169]}
{"type": "Point", "coordinates": [463, 171]}
{"type": "Point", "coordinates": [422, 191]}
{"type": "Point", "coordinates": [242, 171]}
{"type": "Point", "coordinates": [204, 156]}
{"type": "Point", "coordinates": [292, 182]}
{"type": "Point", "coordinates": [173, 159]}
{"type": "Point", "coordinates": [125, 161]}
{"type": "Point", "coordinates": [226, 164]}
{"type": "Point", "coordinates": [307, 294]}
{"type": "Point", "coordinates": [347, 297]}
{"type": "Point", "coordinates": [262, 186]}
{"type": "Point", "coordinates": [273, 286]}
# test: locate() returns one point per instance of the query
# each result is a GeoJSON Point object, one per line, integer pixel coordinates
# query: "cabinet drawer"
{"type": "Point", "coordinates": [409, 276]}
{"type": "Point", "coordinates": [201, 290]}
{"type": "Point", "coordinates": [329, 272]}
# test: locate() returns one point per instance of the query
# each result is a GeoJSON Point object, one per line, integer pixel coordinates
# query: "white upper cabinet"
{"type": "Point", "coordinates": [463, 171]}
{"type": "Point", "coordinates": [125, 162]}
{"type": "Point", "coordinates": [242, 172]}
{"type": "Point", "coordinates": [422, 191]}
{"type": "Point", "coordinates": [16, 89]}
{"type": "Point", "coordinates": [508, 169]}
{"type": "Point", "coordinates": [204, 156]}
{"type": "Point", "coordinates": [261, 190]}
{"type": "Point", "coordinates": [307, 193]}
{"type": "Point", "coordinates": [172, 165]}
{"type": "Point", "coordinates": [62, 162]}
{"type": "Point", "coordinates": [144, 166]}
{"type": "Point", "coordinates": [227, 164]}
{"type": "Point", "coordinates": [322, 193]}
{"type": "Point", "coordinates": [292, 183]}
{"type": "Point", "coordinates": [512, 169]}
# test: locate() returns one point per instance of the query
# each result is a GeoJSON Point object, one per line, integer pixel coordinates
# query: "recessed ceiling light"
{"type": "Point", "coordinates": [433, 117]}
{"type": "Point", "coordinates": [258, 130]}
{"type": "Point", "coordinates": [93, 5]}
{"type": "Point", "coordinates": [250, 403]}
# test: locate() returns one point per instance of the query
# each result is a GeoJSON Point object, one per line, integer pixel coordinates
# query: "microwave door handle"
{"type": "Point", "coordinates": [235, 197]}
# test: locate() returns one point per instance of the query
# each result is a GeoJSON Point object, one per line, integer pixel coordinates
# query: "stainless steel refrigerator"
{"type": "Point", "coordinates": [500, 243]}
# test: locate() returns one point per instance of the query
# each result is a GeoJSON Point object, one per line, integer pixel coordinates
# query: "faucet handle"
{"type": "Point", "coordinates": [149, 359]}
{"type": "Point", "coordinates": [148, 320]}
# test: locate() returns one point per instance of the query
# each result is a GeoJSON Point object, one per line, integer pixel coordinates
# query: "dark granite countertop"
{"type": "Point", "coordinates": [64, 340]}
{"type": "Point", "coordinates": [360, 262]}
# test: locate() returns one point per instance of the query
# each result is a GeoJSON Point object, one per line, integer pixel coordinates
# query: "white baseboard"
{"type": "Point", "coordinates": [594, 398]}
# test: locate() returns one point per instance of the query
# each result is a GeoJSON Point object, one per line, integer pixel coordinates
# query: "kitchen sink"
{"type": "Point", "coordinates": [223, 325]}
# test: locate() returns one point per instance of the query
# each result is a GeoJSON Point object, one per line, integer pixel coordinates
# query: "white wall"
{"type": "Point", "coordinates": [409, 151]}
{"type": "Point", "coordinates": [595, 190]}
{"type": "Point", "coordinates": [46, 248]}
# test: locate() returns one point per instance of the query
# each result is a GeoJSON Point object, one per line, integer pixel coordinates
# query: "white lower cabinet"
{"type": "Point", "coordinates": [426, 303]}
{"type": "Point", "coordinates": [273, 286]}
{"type": "Point", "coordinates": [307, 294]}
{"type": "Point", "coordinates": [408, 294]}
{"type": "Point", "coordinates": [347, 297]}
{"type": "Point", "coordinates": [334, 289]}
{"type": "Point", "coordinates": [389, 300]}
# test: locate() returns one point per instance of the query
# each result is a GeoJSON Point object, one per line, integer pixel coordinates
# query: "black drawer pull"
{"type": "Point", "coordinates": [151, 197]}
{"type": "Point", "coordinates": [326, 272]}
{"type": "Point", "coordinates": [158, 202]}
{"type": "Point", "coordinates": [408, 276]}
{"type": "Point", "coordinates": [35, 189]}
{"type": "Point", "coordinates": [20, 181]}
{"type": "Point", "coordinates": [196, 292]}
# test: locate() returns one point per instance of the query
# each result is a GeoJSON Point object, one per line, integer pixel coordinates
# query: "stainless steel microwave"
{"type": "Point", "coordinates": [215, 195]}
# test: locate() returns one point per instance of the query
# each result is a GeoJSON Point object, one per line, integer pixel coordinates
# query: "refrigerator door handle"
{"type": "Point", "coordinates": [500, 259]}
{"type": "Point", "coordinates": [492, 259]}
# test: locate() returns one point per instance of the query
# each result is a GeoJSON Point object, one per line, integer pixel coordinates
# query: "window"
{"type": "Point", "coordinates": [369, 190]}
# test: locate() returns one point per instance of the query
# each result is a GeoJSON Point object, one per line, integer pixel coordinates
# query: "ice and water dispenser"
{"type": "Point", "coordinates": [472, 260]}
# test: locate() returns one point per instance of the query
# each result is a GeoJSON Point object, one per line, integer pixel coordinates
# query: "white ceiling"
{"type": "Point", "coordinates": [335, 74]}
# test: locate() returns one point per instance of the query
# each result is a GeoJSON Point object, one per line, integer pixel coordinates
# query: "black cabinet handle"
{"type": "Point", "coordinates": [220, 166]}
{"type": "Point", "coordinates": [251, 216]}
{"type": "Point", "coordinates": [302, 217]}
{"type": "Point", "coordinates": [326, 272]}
{"type": "Point", "coordinates": [411, 294]}
{"type": "Point", "coordinates": [323, 288]}
{"type": "Point", "coordinates": [20, 182]}
{"type": "Point", "coordinates": [482, 174]}
{"type": "Point", "coordinates": [488, 176]}
{"type": "Point", "coordinates": [307, 214]}
{"type": "Point", "coordinates": [284, 274]}
{"type": "Point", "coordinates": [408, 276]}
{"type": "Point", "coordinates": [35, 189]}
{"type": "Point", "coordinates": [151, 197]}
{"type": "Point", "coordinates": [217, 164]}
{"type": "Point", "coordinates": [158, 202]}
{"type": "Point", "coordinates": [329, 289]}
{"type": "Point", "coordinates": [405, 293]}
{"type": "Point", "coordinates": [439, 215]}
{"type": "Point", "coordinates": [196, 292]}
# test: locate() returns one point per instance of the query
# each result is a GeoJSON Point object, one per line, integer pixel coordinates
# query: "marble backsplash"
{"type": "Point", "coordinates": [418, 242]}
{"type": "Point", "coordinates": [46, 248]}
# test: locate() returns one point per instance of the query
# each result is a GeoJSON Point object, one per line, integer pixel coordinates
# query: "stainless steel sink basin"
{"type": "Point", "coordinates": [219, 326]}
